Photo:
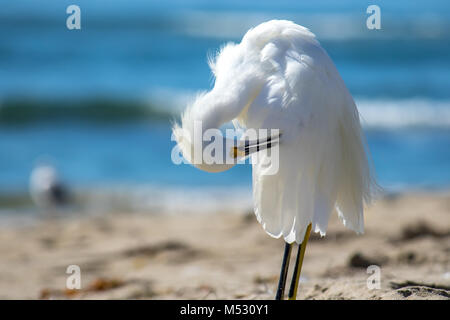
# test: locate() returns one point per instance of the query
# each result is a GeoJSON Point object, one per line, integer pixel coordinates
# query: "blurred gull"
{"type": "Point", "coordinates": [46, 188]}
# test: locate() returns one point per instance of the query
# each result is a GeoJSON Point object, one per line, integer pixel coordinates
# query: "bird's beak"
{"type": "Point", "coordinates": [248, 147]}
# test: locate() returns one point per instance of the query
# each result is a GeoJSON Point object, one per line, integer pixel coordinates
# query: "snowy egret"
{"type": "Point", "coordinates": [46, 188]}
{"type": "Point", "coordinates": [279, 77]}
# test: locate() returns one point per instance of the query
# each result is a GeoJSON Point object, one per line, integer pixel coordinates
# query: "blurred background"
{"type": "Point", "coordinates": [99, 101]}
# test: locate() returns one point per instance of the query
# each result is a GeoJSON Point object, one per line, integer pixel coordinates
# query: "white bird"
{"type": "Point", "coordinates": [279, 77]}
{"type": "Point", "coordinates": [46, 188]}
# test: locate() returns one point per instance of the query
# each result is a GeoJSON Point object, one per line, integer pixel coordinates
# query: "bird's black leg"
{"type": "Point", "coordinates": [284, 271]}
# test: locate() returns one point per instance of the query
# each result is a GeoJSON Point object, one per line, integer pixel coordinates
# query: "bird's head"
{"type": "Point", "coordinates": [205, 147]}
{"type": "Point", "coordinates": [201, 143]}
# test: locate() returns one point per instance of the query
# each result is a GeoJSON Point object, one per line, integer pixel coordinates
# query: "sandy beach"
{"type": "Point", "coordinates": [227, 255]}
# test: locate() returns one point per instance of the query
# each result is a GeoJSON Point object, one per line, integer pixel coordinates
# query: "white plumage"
{"type": "Point", "coordinates": [279, 77]}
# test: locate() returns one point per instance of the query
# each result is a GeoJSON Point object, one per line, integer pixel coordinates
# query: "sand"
{"type": "Point", "coordinates": [227, 255]}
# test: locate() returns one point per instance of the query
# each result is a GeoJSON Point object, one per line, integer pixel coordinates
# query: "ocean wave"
{"type": "Point", "coordinates": [20, 111]}
{"type": "Point", "coordinates": [166, 104]}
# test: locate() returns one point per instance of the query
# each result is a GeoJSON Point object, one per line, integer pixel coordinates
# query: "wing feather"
{"type": "Point", "coordinates": [323, 166]}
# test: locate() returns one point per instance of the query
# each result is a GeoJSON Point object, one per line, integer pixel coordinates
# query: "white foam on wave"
{"type": "Point", "coordinates": [404, 113]}
{"type": "Point", "coordinates": [387, 113]}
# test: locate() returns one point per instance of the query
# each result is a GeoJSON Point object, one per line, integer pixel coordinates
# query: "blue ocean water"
{"type": "Point", "coordinates": [153, 54]}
